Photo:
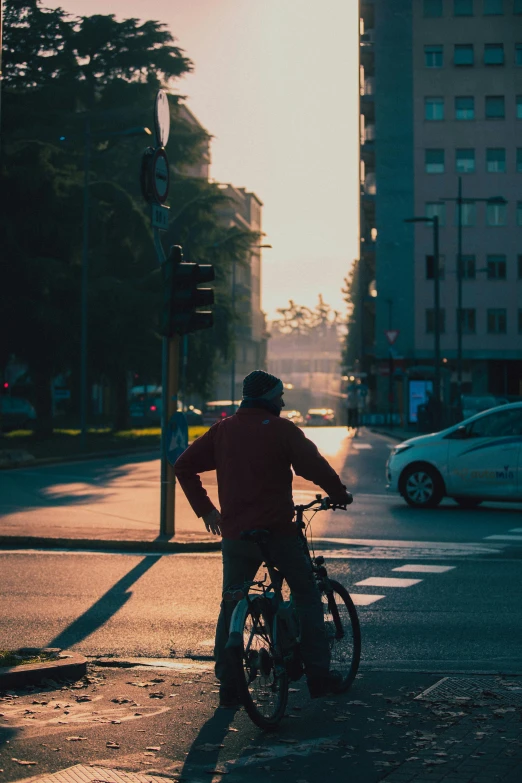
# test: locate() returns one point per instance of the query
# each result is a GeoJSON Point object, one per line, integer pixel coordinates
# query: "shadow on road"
{"type": "Point", "coordinates": [211, 735]}
{"type": "Point", "coordinates": [104, 608]}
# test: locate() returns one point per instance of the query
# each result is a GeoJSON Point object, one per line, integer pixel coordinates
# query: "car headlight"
{"type": "Point", "coordinates": [400, 449]}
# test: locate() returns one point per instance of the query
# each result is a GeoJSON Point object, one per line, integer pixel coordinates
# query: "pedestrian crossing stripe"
{"type": "Point", "coordinates": [365, 599]}
{"type": "Point", "coordinates": [360, 446]}
{"type": "Point", "coordinates": [388, 581]}
{"type": "Point", "coordinates": [506, 537]}
{"type": "Point", "coordinates": [424, 569]}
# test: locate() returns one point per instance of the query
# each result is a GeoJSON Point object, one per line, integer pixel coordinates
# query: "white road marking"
{"type": "Point", "coordinates": [362, 446]}
{"type": "Point", "coordinates": [516, 530]}
{"type": "Point", "coordinates": [365, 599]}
{"type": "Point", "coordinates": [503, 538]}
{"type": "Point", "coordinates": [424, 569]}
{"type": "Point", "coordinates": [467, 548]}
{"type": "Point", "coordinates": [388, 581]}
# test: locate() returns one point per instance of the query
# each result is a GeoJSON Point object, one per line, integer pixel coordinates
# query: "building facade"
{"type": "Point", "coordinates": [441, 101]}
{"type": "Point", "coordinates": [244, 211]}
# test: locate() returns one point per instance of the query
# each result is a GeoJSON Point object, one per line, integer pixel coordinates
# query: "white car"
{"type": "Point", "coordinates": [478, 459]}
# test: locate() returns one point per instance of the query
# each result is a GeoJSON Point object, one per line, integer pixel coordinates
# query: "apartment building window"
{"type": "Point", "coordinates": [519, 107]}
{"type": "Point", "coordinates": [430, 320]}
{"type": "Point", "coordinates": [468, 320]}
{"type": "Point", "coordinates": [519, 213]}
{"type": "Point", "coordinates": [519, 321]}
{"type": "Point", "coordinates": [465, 161]}
{"type": "Point", "coordinates": [430, 267]}
{"type": "Point", "coordinates": [496, 160]}
{"type": "Point", "coordinates": [519, 267]}
{"type": "Point", "coordinates": [436, 209]}
{"type": "Point", "coordinates": [432, 8]}
{"type": "Point", "coordinates": [463, 7]}
{"type": "Point", "coordinates": [434, 108]}
{"type": "Point", "coordinates": [433, 56]}
{"type": "Point", "coordinates": [463, 54]}
{"type": "Point", "coordinates": [434, 161]}
{"type": "Point", "coordinates": [497, 321]}
{"type": "Point", "coordinates": [496, 267]}
{"type": "Point", "coordinates": [494, 54]}
{"type": "Point", "coordinates": [495, 109]}
{"type": "Point", "coordinates": [493, 7]}
{"type": "Point", "coordinates": [518, 54]}
{"type": "Point", "coordinates": [465, 107]}
{"type": "Point", "coordinates": [496, 214]}
{"type": "Point", "coordinates": [468, 267]}
{"type": "Point", "coordinates": [468, 213]}
{"type": "Point", "coordinates": [519, 159]}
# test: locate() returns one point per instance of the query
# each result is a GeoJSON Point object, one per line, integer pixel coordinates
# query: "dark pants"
{"type": "Point", "coordinates": [353, 417]}
{"type": "Point", "coordinates": [241, 560]}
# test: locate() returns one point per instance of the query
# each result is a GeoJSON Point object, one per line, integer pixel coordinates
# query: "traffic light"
{"type": "Point", "coordinates": [182, 297]}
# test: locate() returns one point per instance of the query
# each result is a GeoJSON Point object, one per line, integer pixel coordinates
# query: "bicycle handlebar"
{"type": "Point", "coordinates": [324, 504]}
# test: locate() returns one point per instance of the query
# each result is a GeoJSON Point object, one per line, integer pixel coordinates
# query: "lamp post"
{"type": "Point", "coordinates": [233, 358]}
{"type": "Point", "coordinates": [436, 306]}
{"type": "Point", "coordinates": [459, 200]}
{"type": "Point", "coordinates": [88, 136]}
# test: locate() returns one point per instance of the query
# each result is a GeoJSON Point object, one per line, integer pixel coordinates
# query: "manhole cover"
{"type": "Point", "coordinates": [464, 688]}
{"type": "Point", "coordinates": [83, 774]}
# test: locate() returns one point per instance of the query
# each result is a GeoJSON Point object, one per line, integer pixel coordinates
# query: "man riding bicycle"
{"type": "Point", "coordinates": [254, 452]}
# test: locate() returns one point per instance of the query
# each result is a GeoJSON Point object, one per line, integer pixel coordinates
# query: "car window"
{"type": "Point", "coordinates": [497, 425]}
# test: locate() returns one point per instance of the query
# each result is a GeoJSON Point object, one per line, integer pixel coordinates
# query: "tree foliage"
{"type": "Point", "coordinates": [64, 76]}
{"type": "Point", "coordinates": [301, 320]}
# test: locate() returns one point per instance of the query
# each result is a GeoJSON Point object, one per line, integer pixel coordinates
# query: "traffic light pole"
{"type": "Point", "coordinates": [169, 392]}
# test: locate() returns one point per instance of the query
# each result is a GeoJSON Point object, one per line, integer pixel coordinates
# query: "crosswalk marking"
{"type": "Point", "coordinates": [388, 581]}
{"type": "Point", "coordinates": [424, 569]}
{"type": "Point", "coordinates": [516, 530]}
{"type": "Point", "coordinates": [505, 537]}
{"type": "Point", "coordinates": [365, 599]}
{"type": "Point", "coordinates": [359, 446]}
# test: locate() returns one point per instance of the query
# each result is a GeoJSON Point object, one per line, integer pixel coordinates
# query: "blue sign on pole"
{"type": "Point", "coordinates": [177, 436]}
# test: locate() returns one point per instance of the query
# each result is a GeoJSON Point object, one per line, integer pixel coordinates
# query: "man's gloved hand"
{"type": "Point", "coordinates": [213, 522]}
{"type": "Point", "coordinates": [342, 500]}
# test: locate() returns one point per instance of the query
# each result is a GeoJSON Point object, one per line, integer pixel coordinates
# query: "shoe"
{"type": "Point", "coordinates": [325, 684]}
{"type": "Point", "coordinates": [229, 697]}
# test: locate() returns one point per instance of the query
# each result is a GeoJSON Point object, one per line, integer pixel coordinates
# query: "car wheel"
{"type": "Point", "coordinates": [468, 502]}
{"type": "Point", "coordinates": [422, 486]}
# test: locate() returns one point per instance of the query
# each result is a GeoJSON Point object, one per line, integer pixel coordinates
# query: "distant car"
{"type": "Point", "coordinates": [149, 412]}
{"type": "Point", "coordinates": [478, 459]}
{"type": "Point", "coordinates": [320, 417]}
{"type": "Point", "coordinates": [217, 410]}
{"type": "Point", "coordinates": [473, 405]}
{"type": "Point", "coordinates": [17, 414]}
{"type": "Point", "coordinates": [295, 416]}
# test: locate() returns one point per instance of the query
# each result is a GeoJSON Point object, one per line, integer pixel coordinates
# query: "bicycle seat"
{"type": "Point", "coordinates": [257, 536]}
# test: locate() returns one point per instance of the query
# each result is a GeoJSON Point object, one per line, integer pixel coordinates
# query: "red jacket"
{"type": "Point", "coordinates": [253, 452]}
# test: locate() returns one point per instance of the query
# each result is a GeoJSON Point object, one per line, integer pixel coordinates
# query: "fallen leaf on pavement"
{"type": "Point", "coordinates": [156, 695]}
{"type": "Point", "coordinates": [24, 763]}
{"type": "Point", "coordinates": [153, 747]}
{"type": "Point", "coordinates": [112, 745]}
{"type": "Point", "coordinates": [208, 747]}
{"type": "Point", "coordinates": [75, 739]}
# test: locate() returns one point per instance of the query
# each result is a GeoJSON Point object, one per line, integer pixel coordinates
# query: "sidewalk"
{"type": "Point", "coordinates": [161, 719]}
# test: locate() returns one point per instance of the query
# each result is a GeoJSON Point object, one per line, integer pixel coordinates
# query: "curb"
{"type": "Point", "coordinates": [391, 434]}
{"type": "Point", "coordinates": [70, 667]}
{"type": "Point", "coordinates": [29, 463]}
{"type": "Point", "coordinates": [157, 546]}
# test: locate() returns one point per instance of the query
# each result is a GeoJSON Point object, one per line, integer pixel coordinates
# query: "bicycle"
{"type": "Point", "coordinates": [263, 642]}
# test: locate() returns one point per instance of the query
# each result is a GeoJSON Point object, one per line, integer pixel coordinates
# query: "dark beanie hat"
{"type": "Point", "coordinates": [261, 384]}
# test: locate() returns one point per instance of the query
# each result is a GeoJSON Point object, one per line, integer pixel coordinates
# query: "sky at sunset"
{"type": "Point", "coordinates": [275, 82]}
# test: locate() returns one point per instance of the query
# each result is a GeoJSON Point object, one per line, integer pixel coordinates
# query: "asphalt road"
{"type": "Point", "coordinates": [463, 614]}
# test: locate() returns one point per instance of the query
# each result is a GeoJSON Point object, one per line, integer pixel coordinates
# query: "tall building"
{"type": "Point", "coordinates": [441, 100]}
{"type": "Point", "coordinates": [244, 211]}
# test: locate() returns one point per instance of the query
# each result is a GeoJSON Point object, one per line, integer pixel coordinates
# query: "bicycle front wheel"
{"type": "Point", "coordinates": [260, 670]}
{"type": "Point", "coordinates": [343, 631]}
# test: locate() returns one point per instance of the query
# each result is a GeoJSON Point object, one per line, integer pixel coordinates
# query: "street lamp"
{"type": "Point", "coordinates": [436, 305]}
{"type": "Point", "coordinates": [88, 136]}
{"type": "Point", "coordinates": [459, 201]}
{"type": "Point", "coordinates": [233, 358]}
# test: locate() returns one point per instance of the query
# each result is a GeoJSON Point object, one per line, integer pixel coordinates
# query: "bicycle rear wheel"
{"type": "Point", "coordinates": [260, 671]}
{"type": "Point", "coordinates": [343, 631]}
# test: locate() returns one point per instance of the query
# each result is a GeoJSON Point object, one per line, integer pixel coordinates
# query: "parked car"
{"type": "Point", "coordinates": [295, 416]}
{"type": "Point", "coordinates": [477, 459]}
{"type": "Point", "coordinates": [17, 414]}
{"type": "Point", "coordinates": [217, 410]}
{"type": "Point", "coordinates": [320, 417]}
{"type": "Point", "coordinates": [149, 412]}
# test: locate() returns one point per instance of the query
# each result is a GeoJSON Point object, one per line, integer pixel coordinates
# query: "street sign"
{"type": "Point", "coordinates": [160, 175]}
{"type": "Point", "coordinates": [391, 335]}
{"type": "Point", "coordinates": [177, 437]}
{"type": "Point", "coordinates": [160, 216]}
{"type": "Point", "coordinates": [162, 118]}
